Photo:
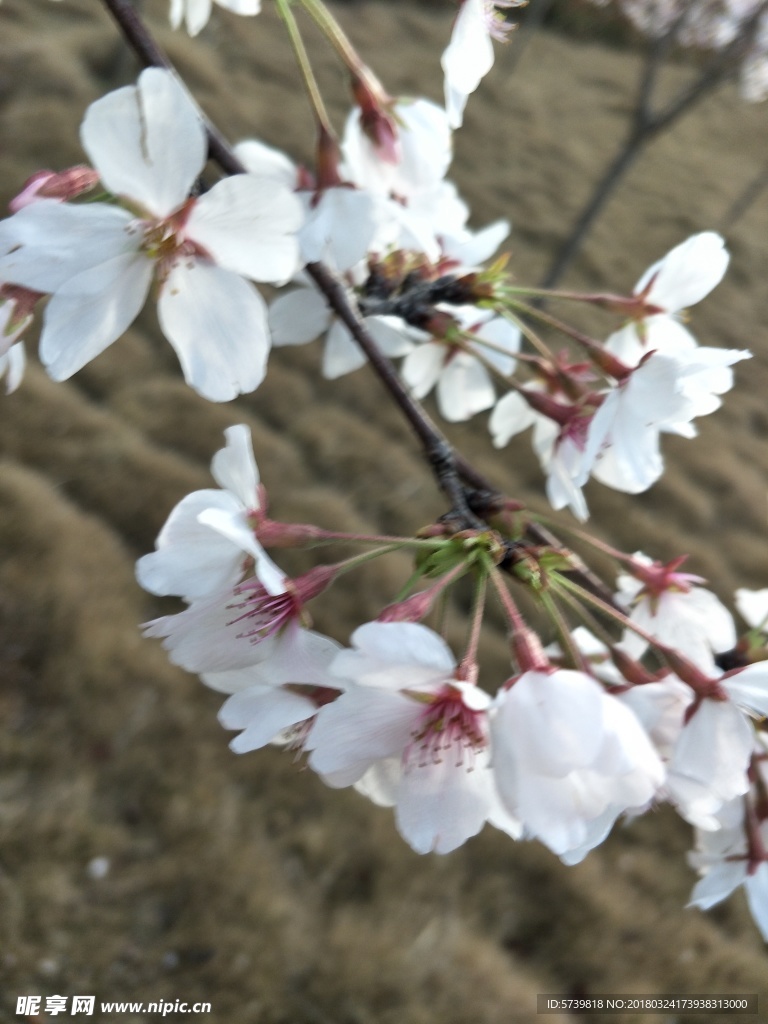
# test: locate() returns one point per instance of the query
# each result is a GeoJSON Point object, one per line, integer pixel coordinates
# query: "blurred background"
{"type": "Point", "coordinates": [139, 858]}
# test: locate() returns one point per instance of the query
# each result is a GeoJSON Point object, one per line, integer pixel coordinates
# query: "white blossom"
{"type": "Point", "coordinates": [149, 145]}
{"type": "Point", "coordinates": [195, 13]}
{"type": "Point", "coordinates": [569, 758]}
{"type": "Point", "coordinates": [207, 542]}
{"type": "Point", "coordinates": [411, 735]}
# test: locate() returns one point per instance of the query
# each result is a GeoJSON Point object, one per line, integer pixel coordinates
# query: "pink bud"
{"type": "Point", "coordinates": [55, 185]}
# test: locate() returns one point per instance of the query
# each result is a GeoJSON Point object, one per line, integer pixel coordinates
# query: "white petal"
{"type": "Point", "coordinates": [390, 334]}
{"type": "Point", "coordinates": [298, 316]}
{"type": "Point", "coordinates": [217, 323]}
{"type": "Point", "coordinates": [196, 15]}
{"type": "Point", "coordinates": [147, 141]}
{"type": "Point", "coordinates": [47, 243]}
{"type": "Point", "coordinates": [234, 467]}
{"type": "Point", "coordinates": [248, 225]}
{"type": "Point", "coordinates": [718, 883]}
{"type": "Point", "coordinates": [267, 162]}
{"type": "Point", "coordinates": [422, 367]}
{"type": "Point", "coordinates": [687, 273]}
{"type": "Point", "coordinates": [191, 559]}
{"type": "Point", "coordinates": [12, 366]}
{"type": "Point", "coordinates": [235, 529]}
{"type": "Point", "coordinates": [473, 248]}
{"type": "Point", "coordinates": [384, 647]}
{"type": "Point", "coordinates": [753, 606]}
{"type": "Point", "coordinates": [341, 354]}
{"type": "Point", "coordinates": [749, 687]}
{"type": "Point", "coordinates": [306, 659]}
{"type": "Point", "coordinates": [467, 58]}
{"type": "Point", "coordinates": [263, 712]}
{"type": "Point", "coordinates": [511, 416]}
{"type": "Point", "coordinates": [91, 311]}
{"type": "Point", "coordinates": [359, 728]}
{"type": "Point", "coordinates": [757, 897]}
{"type": "Point", "coordinates": [440, 805]}
{"type": "Point", "coordinates": [339, 228]}
{"type": "Point", "coordinates": [464, 388]}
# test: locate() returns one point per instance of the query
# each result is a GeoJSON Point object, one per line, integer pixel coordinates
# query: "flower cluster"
{"type": "Point", "coordinates": [662, 701]}
{"type": "Point", "coordinates": [710, 25]}
{"type": "Point", "coordinates": [574, 738]}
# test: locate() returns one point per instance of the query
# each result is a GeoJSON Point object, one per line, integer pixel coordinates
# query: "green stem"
{"type": "Point", "coordinates": [305, 67]}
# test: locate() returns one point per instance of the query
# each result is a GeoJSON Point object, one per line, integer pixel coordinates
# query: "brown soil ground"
{"type": "Point", "coordinates": [243, 881]}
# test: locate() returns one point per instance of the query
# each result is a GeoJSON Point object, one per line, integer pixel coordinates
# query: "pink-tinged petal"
{"type": "Point", "coordinates": [298, 316]}
{"type": "Point", "coordinates": [234, 467]}
{"type": "Point", "coordinates": [47, 243]}
{"type": "Point", "coordinates": [718, 883]}
{"type": "Point", "coordinates": [237, 530]}
{"type": "Point", "coordinates": [267, 162]}
{"type": "Point", "coordinates": [687, 273]}
{"type": "Point", "coordinates": [91, 311]}
{"type": "Point", "coordinates": [360, 727]}
{"type": "Point", "coordinates": [341, 354]}
{"type": "Point", "coordinates": [191, 559]}
{"type": "Point", "coordinates": [263, 712]}
{"type": "Point", "coordinates": [442, 804]}
{"type": "Point", "coordinates": [248, 225]}
{"type": "Point", "coordinates": [464, 388]}
{"type": "Point", "coordinates": [217, 324]}
{"type": "Point", "coordinates": [147, 141]}
{"type": "Point", "coordinates": [467, 58]}
{"type": "Point", "coordinates": [12, 366]}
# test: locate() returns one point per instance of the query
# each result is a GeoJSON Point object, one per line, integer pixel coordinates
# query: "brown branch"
{"type": "Point", "coordinates": [473, 497]}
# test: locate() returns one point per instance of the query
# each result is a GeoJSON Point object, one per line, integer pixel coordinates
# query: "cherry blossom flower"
{"type": "Point", "coordinates": [244, 625]}
{"type": "Point", "coordinates": [208, 541]}
{"type": "Point", "coordinates": [662, 394]}
{"type": "Point", "coordinates": [685, 276]}
{"type": "Point", "coordinates": [569, 759]}
{"type": "Point", "coordinates": [469, 56]}
{"type": "Point", "coordinates": [412, 735]}
{"type": "Point", "coordinates": [462, 381]}
{"type": "Point", "coordinates": [195, 13]}
{"type": "Point", "coordinates": [148, 144]}
{"type": "Point", "coordinates": [673, 607]}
